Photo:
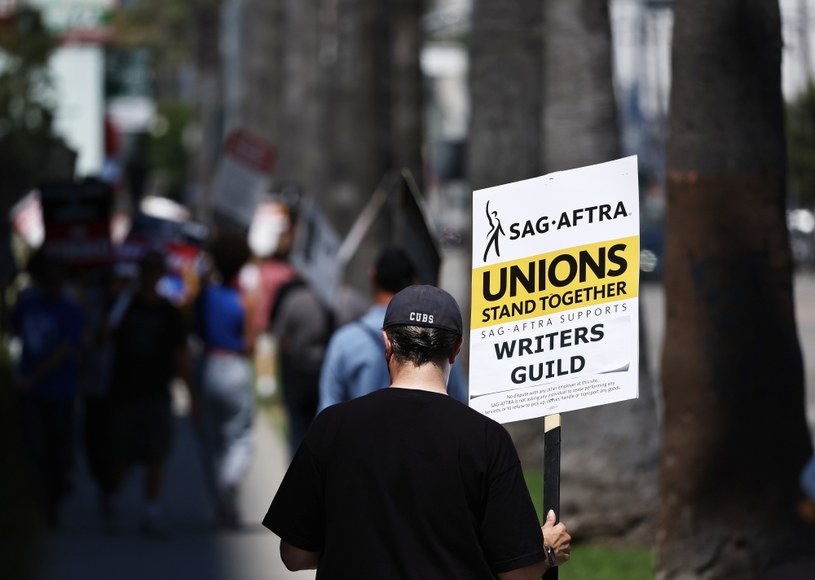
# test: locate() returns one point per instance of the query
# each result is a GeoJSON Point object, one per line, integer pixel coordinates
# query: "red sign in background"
{"type": "Point", "coordinates": [76, 216]}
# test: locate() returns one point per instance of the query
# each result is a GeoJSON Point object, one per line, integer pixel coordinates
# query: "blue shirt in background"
{"type": "Point", "coordinates": [355, 363]}
{"type": "Point", "coordinates": [221, 318]}
{"type": "Point", "coordinates": [44, 325]}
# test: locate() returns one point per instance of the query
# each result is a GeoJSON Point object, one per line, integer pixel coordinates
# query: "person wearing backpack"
{"type": "Point", "coordinates": [301, 325]}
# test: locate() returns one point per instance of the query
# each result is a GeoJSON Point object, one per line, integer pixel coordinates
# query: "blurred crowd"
{"type": "Point", "coordinates": [103, 357]}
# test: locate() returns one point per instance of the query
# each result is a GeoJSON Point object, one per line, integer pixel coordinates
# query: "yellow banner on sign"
{"type": "Point", "coordinates": [565, 279]}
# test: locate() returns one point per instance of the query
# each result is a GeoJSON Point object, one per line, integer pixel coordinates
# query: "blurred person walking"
{"type": "Point", "coordinates": [355, 358]}
{"type": "Point", "coordinates": [224, 323]}
{"type": "Point", "coordinates": [269, 238]}
{"type": "Point", "coordinates": [302, 326]}
{"type": "Point", "coordinates": [50, 325]}
{"type": "Point", "coordinates": [99, 300]}
{"type": "Point", "coordinates": [430, 487]}
{"type": "Point", "coordinates": [150, 350]}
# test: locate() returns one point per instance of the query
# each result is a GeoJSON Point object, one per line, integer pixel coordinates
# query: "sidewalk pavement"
{"type": "Point", "coordinates": [196, 549]}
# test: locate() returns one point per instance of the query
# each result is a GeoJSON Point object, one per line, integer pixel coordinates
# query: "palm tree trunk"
{"type": "Point", "coordinates": [609, 467]}
{"type": "Point", "coordinates": [207, 30]}
{"type": "Point", "coordinates": [506, 65]}
{"type": "Point", "coordinates": [734, 433]}
{"type": "Point", "coordinates": [580, 113]}
{"type": "Point", "coordinates": [336, 85]}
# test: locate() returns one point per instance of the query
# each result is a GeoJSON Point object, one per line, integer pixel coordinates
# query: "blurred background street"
{"type": "Point", "coordinates": [193, 195]}
{"type": "Point", "coordinates": [88, 548]}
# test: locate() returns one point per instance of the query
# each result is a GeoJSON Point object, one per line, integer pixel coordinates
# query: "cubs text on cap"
{"type": "Point", "coordinates": [424, 305]}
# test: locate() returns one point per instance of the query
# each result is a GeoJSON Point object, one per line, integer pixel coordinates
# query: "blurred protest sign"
{"type": "Point", "coordinates": [180, 240]}
{"type": "Point", "coordinates": [242, 178]}
{"type": "Point", "coordinates": [76, 217]}
{"type": "Point", "coordinates": [555, 292]}
{"type": "Point", "coordinates": [314, 252]}
{"type": "Point", "coordinates": [415, 232]}
{"type": "Point", "coordinates": [398, 200]}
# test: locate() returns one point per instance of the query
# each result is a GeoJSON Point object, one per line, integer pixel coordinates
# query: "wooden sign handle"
{"type": "Point", "coordinates": [551, 472]}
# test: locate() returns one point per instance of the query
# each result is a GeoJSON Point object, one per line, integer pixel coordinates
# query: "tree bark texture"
{"type": "Point", "coordinates": [262, 51]}
{"type": "Point", "coordinates": [609, 465]}
{"type": "Point", "coordinates": [734, 431]}
{"type": "Point", "coordinates": [506, 66]}
{"type": "Point", "coordinates": [336, 85]}
{"type": "Point", "coordinates": [207, 31]}
{"type": "Point", "coordinates": [580, 113]}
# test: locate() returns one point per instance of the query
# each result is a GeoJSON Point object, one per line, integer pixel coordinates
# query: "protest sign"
{"type": "Point", "coordinates": [555, 286]}
{"type": "Point", "coordinates": [398, 200]}
{"type": "Point", "coordinates": [314, 252]}
{"type": "Point", "coordinates": [243, 176]}
{"type": "Point", "coordinates": [76, 216]}
{"type": "Point", "coordinates": [181, 242]}
{"type": "Point", "coordinates": [415, 231]}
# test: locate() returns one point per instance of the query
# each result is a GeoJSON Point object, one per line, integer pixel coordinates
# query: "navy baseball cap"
{"type": "Point", "coordinates": [424, 305]}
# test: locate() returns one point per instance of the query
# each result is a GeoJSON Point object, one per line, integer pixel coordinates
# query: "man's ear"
{"type": "Point", "coordinates": [456, 350]}
{"type": "Point", "coordinates": [388, 346]}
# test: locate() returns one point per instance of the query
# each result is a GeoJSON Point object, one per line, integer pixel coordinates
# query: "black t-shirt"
{"type": "Point", "coordinates": [405, 483]}
{"type": "Point", "coordinates": [146, 342]}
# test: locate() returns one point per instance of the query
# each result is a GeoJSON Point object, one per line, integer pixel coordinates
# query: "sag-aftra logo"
{"type": "Point", "coordinates": [542, 224]}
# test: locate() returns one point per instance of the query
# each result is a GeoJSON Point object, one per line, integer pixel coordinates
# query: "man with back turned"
{"type": "Point", "coordinates": [407, 482]}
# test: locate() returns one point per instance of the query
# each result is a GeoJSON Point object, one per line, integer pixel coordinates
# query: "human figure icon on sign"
{"type": "Point", "coordinates": [496, 229]}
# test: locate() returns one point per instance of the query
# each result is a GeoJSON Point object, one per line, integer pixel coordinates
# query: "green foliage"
{"type": "Point", "coordinates": [26, 116]}
{"type": "Point", "coordinates": [595, 562]}
{"type": "Point", "coordinates": [167, 29]}
{"type": "Point", "coordinates": [598, 563]}
{"type": "Point", "coordinates": [167, 152]}
{"type": "Point", "coordinates": [25, 40]}
{"type": "Point", "coordinates": [161, 25]}
{"type": "Point", "coordinates": [26, 46]}
{"type": "Point", "coordinates": [800, 125]}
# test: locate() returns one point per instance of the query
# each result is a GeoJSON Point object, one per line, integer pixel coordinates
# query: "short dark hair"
{"type": "Point", "coordinates": [152, 265]}
{"type": "Point", "coordinates": [229, 251]}
{"type": "Point", "coordinates": [394, 270]}
{"type": "Point", "coordinates": [421, 345]}
{"type": "Point", "coordinates": [44, 268]}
